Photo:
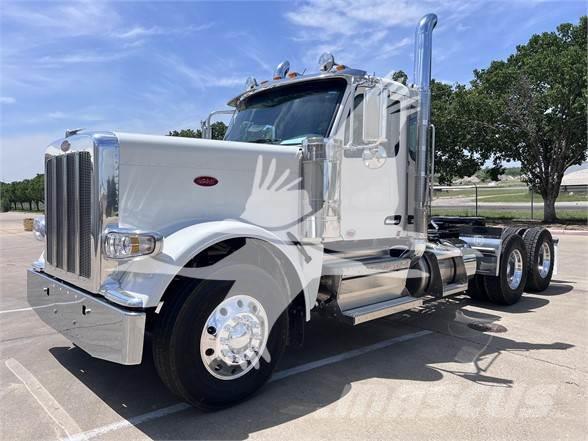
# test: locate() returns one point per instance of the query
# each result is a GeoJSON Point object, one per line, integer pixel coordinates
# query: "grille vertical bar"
{"type": "Point", "coordinates": [50, 209]}
{"type": "Point", "coordinates": [72, 208]}
{"type": "Point", "coordinates": [85, 214]}
{"type": "Point", "coordinates": [59, 214]}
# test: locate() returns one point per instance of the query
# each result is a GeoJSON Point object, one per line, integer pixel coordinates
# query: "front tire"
{"type": "Point", "coordinates": [217, 341]}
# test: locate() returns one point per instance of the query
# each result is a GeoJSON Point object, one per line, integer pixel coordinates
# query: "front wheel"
{"type": "Point", "coordinates": [218, 341]}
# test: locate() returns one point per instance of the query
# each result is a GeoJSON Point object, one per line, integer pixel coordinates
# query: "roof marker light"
{"type": "Point", "coordinates": [250, 83]}
{"type": "Point", "coordinates": [326, 62]}
{"type": "Point", "coordinates": [282, 70]}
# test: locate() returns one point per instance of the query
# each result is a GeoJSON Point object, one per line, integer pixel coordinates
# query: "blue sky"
{"type": "Point", "coordinates": [156, 66]}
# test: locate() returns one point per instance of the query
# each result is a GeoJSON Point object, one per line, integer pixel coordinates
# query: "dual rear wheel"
{"type": "Point", "coordinates": [526, 263]}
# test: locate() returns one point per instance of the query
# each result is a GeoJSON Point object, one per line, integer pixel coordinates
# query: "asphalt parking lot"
{"type": "Point", "coordinates": [420, 375]}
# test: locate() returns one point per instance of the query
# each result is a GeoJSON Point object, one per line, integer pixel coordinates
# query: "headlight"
{"type": "Point", "coordinates": [39, 227]}
{"type": "Point", "coordinates": [120, 244]}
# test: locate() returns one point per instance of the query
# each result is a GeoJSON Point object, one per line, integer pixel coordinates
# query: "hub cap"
{"type": "Point", "coordinates": [234, 337]}
{"type": "Point", "coordinates": [514, 269]}
{"type": "Point", "coordinates": [544, 260]}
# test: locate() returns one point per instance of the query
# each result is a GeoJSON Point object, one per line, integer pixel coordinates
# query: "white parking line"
{"type": "Point", "coordinates": [134, 421]}
{"type": "Point", "coordinates": [44, 398]}
{"type": "Point", "coordinates": [345, 355]}
{"type": "Point", "coordinates": [130, 422]}
{"type": "Point", "coordinates": [18, 310]}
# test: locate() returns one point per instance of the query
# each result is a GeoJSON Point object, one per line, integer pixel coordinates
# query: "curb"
{"type": "Point", "coordinates": [570, 232]}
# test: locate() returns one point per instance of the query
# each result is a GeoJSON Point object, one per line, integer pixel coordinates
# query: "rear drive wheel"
{"type": "Point", "coordinates": [217, 341]}
{"type": "Point", "coordinates": [541, 255]}
{"type": "Point", "coordinates": [507, 288]}
{"type": "Point", "coordinates": [476, 289]}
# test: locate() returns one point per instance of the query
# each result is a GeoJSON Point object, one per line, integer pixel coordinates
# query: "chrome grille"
{"type": "Point", "coordinates": [68, 185]}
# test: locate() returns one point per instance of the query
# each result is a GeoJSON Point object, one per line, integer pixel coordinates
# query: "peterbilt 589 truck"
{"type": "Point", "coordinates": [216, 252]}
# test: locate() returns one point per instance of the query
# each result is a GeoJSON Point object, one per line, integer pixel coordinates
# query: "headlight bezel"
{"type": "Point", "coordinates": [138, 243]}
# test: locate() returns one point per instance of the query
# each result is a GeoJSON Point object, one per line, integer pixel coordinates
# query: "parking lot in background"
{"type": "Point", "coordinates": [420, 375]}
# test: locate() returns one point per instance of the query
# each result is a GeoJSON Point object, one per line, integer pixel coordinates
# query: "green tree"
{"type": "Point", "coordinates": [25, 189]}
{"type": "Point", "coordinates": [186, 133]}
{"type": "Point", "coordinates": [19, 190]}
{"type": "Point", "coordinates": [219, 129]}
{"type": "Point", "coordinates": [456, 155]}
{"type": "Point", "coordinates": [6, 196]}
{"type": "Point", "coordinates": [400, 76]}
{"type": "Point", "coordinates": [37, 190]}
{"type": "Point", "coordinates": [533, 108]}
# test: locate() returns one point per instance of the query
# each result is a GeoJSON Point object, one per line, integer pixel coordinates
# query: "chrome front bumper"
{"type": "Point", "coordinates": [99, 328]}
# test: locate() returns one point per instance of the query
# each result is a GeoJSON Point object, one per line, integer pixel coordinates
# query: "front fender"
{"type": "Point", "coordinates": [148, 278]}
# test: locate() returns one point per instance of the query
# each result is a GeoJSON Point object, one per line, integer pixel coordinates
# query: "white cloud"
{"type": "Point", "coordinates": [138, 32]}
{"type": "Point", "coordinates": [7, 100]}
{"type": "Point", "coordinates": [79, 58]}
{"type": "Point", "coordinates": [203, 78]}
{"type": "Point", "coordinates": [348, 17]}
{"type": "Point", "coordinates": [74, 117]}
{"type": "Point", "coordinates": [85, 17]}
{"type": "Point", "coordinates": [364, 32]}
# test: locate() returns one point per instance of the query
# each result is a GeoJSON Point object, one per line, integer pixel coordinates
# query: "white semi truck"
{"type": "Point", "coordinates": [217, 252]}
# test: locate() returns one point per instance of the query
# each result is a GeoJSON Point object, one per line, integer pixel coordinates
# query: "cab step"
{"type": "Point", "coordinates": [366, 313]}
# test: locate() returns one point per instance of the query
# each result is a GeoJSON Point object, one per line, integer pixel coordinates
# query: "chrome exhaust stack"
{"type": "Point", "coordinates": [422, 79]}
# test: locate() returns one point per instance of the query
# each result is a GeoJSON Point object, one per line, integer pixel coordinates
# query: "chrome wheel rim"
{"type": "Point", "coordinates": [544, 260]}
{"type": "Point", "coordinates": [234, 337]}
{"type": "Point", "coordinates": [514, 269]}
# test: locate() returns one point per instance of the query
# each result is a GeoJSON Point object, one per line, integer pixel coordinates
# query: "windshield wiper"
{"type": "Point", "coordinates": [265, 141]}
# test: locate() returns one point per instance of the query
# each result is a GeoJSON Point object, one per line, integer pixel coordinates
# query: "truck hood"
{"type": "Point", "coordinates": [159, 189]}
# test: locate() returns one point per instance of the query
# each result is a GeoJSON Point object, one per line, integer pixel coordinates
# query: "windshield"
{"type": "Point", "coordinates": [288, 114]}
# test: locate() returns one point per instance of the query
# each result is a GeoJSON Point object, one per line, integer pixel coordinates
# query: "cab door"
{"type": "Point", "coordinates": [374, 168]}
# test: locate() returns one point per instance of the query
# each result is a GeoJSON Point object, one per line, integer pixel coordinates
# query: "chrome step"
{"type": "Point", "coordinates": [366, 313]}
{"type": "Point", "coordinates": [454, 288]}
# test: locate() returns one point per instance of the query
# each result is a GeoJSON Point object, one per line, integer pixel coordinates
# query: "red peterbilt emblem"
{"type": "Point", "coordinates": [205, 181]}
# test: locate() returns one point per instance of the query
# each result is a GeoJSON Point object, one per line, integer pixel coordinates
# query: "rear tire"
{"type": "Point", "coordinates": [197, 361]}
{"type": "Point", "coordinates": [540, 254]}
{"type": "Point", "coordinates": [507, 288]}
{"type": "Point", "coordinates": [476, 289]}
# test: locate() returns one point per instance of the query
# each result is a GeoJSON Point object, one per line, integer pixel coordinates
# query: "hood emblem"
{"type": "Point", "coordinates": [65, 145]}
{"type": "Point", "coordinates": [205, 181]}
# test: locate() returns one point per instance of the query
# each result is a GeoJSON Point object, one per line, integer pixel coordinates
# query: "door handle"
{"type": "Point", "coordinates": [393, 220]}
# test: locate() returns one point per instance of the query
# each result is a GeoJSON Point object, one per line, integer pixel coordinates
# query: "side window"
{"type": "Point", "coordinates": [358, 119]}
{"type": "Point", "coordinates": [392, 145]}
{"type": "Point", "coordinates": [347, 129]}
{"type": "Point", "coordinates": [355, 132]}
{"type": "Point", "coordinates": [411, 128]}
